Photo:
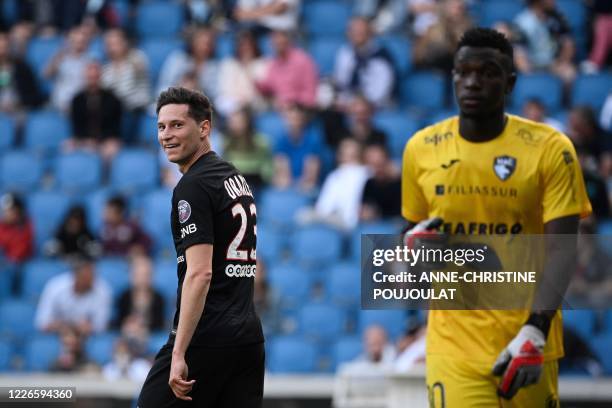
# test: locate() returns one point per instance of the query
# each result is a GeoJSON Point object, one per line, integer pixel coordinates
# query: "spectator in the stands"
{"type": "Point", "coordinates": [16, 230]}
{"type": "Point", "coordinates": [340, 197]}
{"type": "Point", "coordinates": [264, 16]}
{"type": "Point", "coordinates": [128, 362]}
{"type": "Point", "coordinates": [421, 15]}
{"type": "Point", "coordinates": [238, 75]}
{"type": "Point", "coordinates": [296, 160]}
{"type": "Point", "coordinates": [435, 47]}
{"type": "Point", "coordinates": [248, 149]}
{"type": "Point", "coordinates": [578, 358]}
{"type": "Point", "coordinates": [602, 36]}
{"type": "Point", "coordinates": [382, 191]}
{"type": "Point", "coordinates": [141, 303]}
{"type": "Point", "coordinates": [550, 46]}
{"type": "Point", "coordinates": [126, 75]}
{"type": "Point", "coordinates": [73, 236]}
{"type": "Point", "coordinates": [361, 127]}
{"type": "Point", "coordinates": [363, 67]}
{"type": "Point", "coordinates": [605, 117]}
{"type": "Point", "coordinates": [378, 353]}
{"type": "Point", "coordinates": [386, 15]}
{"type": "Point", "coordinates": [96, 117]}
{"type": "Point", "coordinates": [77, 299]}
{"type": "Point", "coordinates": [513, 34]}
{"type": "Point", "coordinates": [587, 136]}
{"type": "Point", "coordinates": [122, 236]}
{"type": "Point", "coordinates": [291, 76]}
{"type": "Point", "coordinates": [67, 69]}
{"type": "Point", "coordinates": [596, 186]}
{"type": "Point", "coordinates": [411, 348]}
{"type": "Point", "coordinates": [198, 60]}
{"type": "Point", "coordinates": [534, 109]}
{"type": "Point", "coordinates": [19, 87]}
{"type": "Point", "coordinates": [591, 285]}
{"type": "Point", "coordinates": [72, 357]}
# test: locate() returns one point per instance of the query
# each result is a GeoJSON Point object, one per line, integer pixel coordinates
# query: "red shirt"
{"type": "Point", "coordinates": [17, 240]}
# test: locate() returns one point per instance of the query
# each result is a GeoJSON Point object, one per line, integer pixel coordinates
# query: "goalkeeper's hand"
{"type": "Point", "coordinates": [424, 230]}
{"type": "Point", "coordinates": [520, 363]}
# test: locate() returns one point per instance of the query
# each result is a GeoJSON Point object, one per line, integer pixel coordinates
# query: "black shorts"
{"type": "Point", "coordinates": [229, 377]}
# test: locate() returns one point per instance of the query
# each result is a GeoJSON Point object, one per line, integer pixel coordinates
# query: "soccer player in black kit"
{"type": "Point", "coordinates": [215, 354]}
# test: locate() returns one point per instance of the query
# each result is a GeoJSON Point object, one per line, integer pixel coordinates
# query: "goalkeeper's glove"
{"type": "Point", "coordinates": [520, 363]}
{"type": "Point", "coordinates": [423, 231]}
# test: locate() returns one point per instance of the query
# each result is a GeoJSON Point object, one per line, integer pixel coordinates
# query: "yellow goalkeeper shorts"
{"type": "Point", "coordinates": [455, 383]}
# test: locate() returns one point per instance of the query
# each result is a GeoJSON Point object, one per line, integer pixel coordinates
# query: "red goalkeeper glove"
{"type": "Point", "coordinates": [423, 231]}
{"type": "Point", "coordinates": [520, 363]}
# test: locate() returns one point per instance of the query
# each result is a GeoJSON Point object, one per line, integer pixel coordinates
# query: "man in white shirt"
{"type": "Point", "coordinates": [273, 15]}
{"type": "Point", "coordinates": [78, 299]}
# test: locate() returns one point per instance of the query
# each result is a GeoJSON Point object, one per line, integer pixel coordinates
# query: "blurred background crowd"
{"type": "Point", "coordinates": [314, 101]}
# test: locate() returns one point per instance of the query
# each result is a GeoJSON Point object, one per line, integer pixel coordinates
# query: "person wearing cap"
{"type": "Point", "coordinates": [16, 231]}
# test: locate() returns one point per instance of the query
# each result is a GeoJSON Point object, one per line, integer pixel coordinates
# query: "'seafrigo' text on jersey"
{"type": "Point", "coordinates": [513, 184]}
{"type": "Point", "coordinates": [213, 204]}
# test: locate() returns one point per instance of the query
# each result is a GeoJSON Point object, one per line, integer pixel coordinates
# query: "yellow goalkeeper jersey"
{"type": "Point", "coordinates": [512, 184]}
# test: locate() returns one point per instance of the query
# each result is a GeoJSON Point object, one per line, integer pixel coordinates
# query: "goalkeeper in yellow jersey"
{"type": "Point", "coordinates": [488, 172]}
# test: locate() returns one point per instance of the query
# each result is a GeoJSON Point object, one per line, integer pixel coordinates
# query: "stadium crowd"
{"type": "Point", "coordinates": [314, 101]}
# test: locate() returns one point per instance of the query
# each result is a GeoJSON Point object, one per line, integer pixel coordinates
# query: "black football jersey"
{"type": "Point", "coordinates": [213, 204]}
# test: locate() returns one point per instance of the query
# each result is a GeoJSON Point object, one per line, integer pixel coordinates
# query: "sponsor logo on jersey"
{"type": "Point", "coordinates": [240, 271]}
{"type": "Point", "coordinates": [486, 191]}
{"type": "Point", "coordinates": [504, 166]}
{"type": "Point", "coordinates": [189, 229]}
{"type": "Point", "coordinates": [180, 259]}
{"type": "Point", "coordinates": [481, 228]}
{"type": "Point", "coordinates": [528, 137]}
{"type": "Point", "coordinates": [438, 138]}
{"type": "Point", "coordinates": [184, 211]}
{"type": "Point", "coordinates": [567, 157]}
{"type": "Point", "coordinates": [236, 186]}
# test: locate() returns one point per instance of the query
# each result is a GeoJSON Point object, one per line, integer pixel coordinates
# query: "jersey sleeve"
{"type": "Point", "coordinates": [414, 204]}
{"type": "Point", "coordinates": [564, 191]}
{"type": "Point", "coordinates": [195, 211]}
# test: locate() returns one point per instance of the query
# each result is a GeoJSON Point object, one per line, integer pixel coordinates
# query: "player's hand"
{"type": "Point", "coordinates": [178, 378]}
{"type": "Point", "coordinates": [520, 364]}
{"type": "Point", "coordinates": [426, 234]}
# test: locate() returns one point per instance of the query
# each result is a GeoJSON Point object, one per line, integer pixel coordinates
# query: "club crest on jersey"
{"type": "Point", "coordinates": [184, 211]}
{"type": "Point", "coordinates": [504, 167]}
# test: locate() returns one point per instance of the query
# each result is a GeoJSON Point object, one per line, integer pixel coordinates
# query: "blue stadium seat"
{"type": "Point", "coordinates": [271, 126]}
{"type": "Point", "coordinates": [78, 172]}
{"type": "Point", "coordinates": [47, 210]}
{"type": "Point", "coordinates": [94, 203]}
{"type": "Point", "coordinates": [347, 348]}
{"type": "Point", "coordinates": [39, 53]}
{"type": "Point", "coordinates": [17, 318]}
{"type": "Point", "coordinates": [326, 17]}
{"type": "Point", "coordinates": [547, 88]}
{"type": "Point", "coordinates": [9, 11]}
{"type": "Point", "coordinates": [343, 284]}
{"type": "Point", "coordinates": [6, 355]}
{"type": "Point", "coordinates": [116, 272]}
{"type": "Point", "coordinates": [147, 129]}
{"type": "Point", "coordinates": [323, 50]}
{"type": "Point", "coordinates": [575, 13]}
{"type": "Point", "coordinates": [581, 321]}
{"type": "Point", "coordinates": [45, 130]}
{"type": "Point", "coordinates": [159, 19]}
{"type": "Point", "coordinates": [394, 321]}
{"type": "Point", "coordinates": [291, 284]}
{"type": "Point", "coordinates": [7, 130]}
{"type": "Point", "coordinates": [37, 272]}
{"type": "Point", "coordinates": [134, 170]}
{"type": "Point", "coordinates": [155, 217]}
{"type": "Point", "coordinates": [291, 355]}
{"type": "Point", "coordinates": [591, 90]}
{"type": "Point", "coordinates": [270, 242]}
{"type": "Point", "coordinates": [316, 245]}
{"type": "Point", "coordinates": [165, 279]}
{"type": "Point", "coordinates": [97, 49]}
{"type": "Point", "coordinates": [602, 345]}
{"type": "Point", "coordinates": [278, 207]}
{"type": "Point", "coordinates": [370, 228]}
{"type": "Point", "coordinates": [500, 10]}
{"type": "Point", "coordinates": [20, 171]}
{"type": "Point", "coordinates": [399, 127]}
{"type": "Point", "coordinates": [321, 322]}
{"type": "Point", "coordinates": [424, 90]}
{"type": "Point", "coordinates": [156, 341]}
{"type": "Point", "coordinates": [41, 352]}
{"type": "Point", "coordinates": [439, 115]}
{"type": "Point", "coordinates": [157, 50]}
{"type": "Point", "coordinates": [400, 49]}
{"type": "Point", "coordinates": [99, 347]}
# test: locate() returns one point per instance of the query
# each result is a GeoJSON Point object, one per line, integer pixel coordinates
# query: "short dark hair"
{"type": "Point", "coordinates": [200, 108]}
{"type": "Point", "coordinates": [487, 38]}
{"type": "Point", "coordinates": [118, 202]}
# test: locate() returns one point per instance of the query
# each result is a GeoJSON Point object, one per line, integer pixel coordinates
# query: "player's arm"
{"type": "Point", "coordinates": [193, 297]}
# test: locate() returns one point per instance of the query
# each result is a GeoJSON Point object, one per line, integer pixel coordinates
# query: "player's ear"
{"type": "Point", "coordinates": [511, 82]}
{"type": "Point", "coordinates": [204, 128]}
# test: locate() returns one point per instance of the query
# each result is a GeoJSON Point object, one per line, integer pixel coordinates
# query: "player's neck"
{"type": "Point", "coordinates": [205, 148]}
{"type": "Point", "coordinates": [482, 129]}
